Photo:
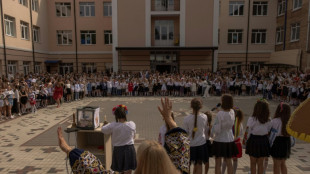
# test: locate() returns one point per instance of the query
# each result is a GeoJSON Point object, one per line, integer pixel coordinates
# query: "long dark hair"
{"type": "Point", "coordinates": [284, 113]}
{"type": "Point", "coordinates": [196, 105]}
{"type": "Point", "coordinates": [209, 115]}
{"type": "Point", "coordinates": [261, 111]}
{"type": "Point", "coordinates": [120, 113]}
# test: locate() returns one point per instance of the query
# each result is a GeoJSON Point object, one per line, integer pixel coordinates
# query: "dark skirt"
{"type": "Point", "coordinates": [225, 150]}
{"type": "Point", "coordinates": [258, 146]}
{"type": "Point", "coordinates": [209, 145]}
{"type": "Point", "coordinates": [124, 158]}
{"type": "Point", "coordinates": [281, 148]}
{"type": "Point", "coordinates": [199, 154]}
{"type": "Point", "coordinates": [24, 100]}
{"type": "Point", "coordinates": [294, 95]}
{"type": "Point", "coordinates": [68, 90]}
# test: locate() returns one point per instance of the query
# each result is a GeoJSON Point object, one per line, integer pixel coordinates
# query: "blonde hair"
{"type": "Point", "coordinates": [153, 159]}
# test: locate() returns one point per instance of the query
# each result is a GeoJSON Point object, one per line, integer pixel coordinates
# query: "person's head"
{"type": "Point", "coordinates": [120, 112]}
{"type": "Point", "coordinates": [261, 111]}
{"type": "Point", "coordinates": [196, 105]}
{"type": "Point", "coordinates": [283, 112]}
{"type": "Point", "coordinates": [152, 158]}
{"type": "Point", "coordinates": [227, 102]}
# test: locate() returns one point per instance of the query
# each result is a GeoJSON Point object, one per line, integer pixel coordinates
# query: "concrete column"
{"type": "Point", "coordinates": [115, 34]}
{"type": "Point", "coordinates": [182, 22]}
{"type": "Point", "coordinates": [148, 23]}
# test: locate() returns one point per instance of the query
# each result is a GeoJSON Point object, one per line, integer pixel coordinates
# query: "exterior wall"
{"type": "Point", "coordinates": [261, 52]}
{"type": "Point", "coordinates": [131, 26]}
{"type": "Point", "coordinates": [190, 60]}
{"type": "Point", "coordinates": [134, 60]}
{"type": "Point", "coordinates": [197, 15]}
{"type": "Point", "coordinates": [296, 16]}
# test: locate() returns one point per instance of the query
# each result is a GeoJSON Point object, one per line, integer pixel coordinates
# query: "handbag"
{"type": "Point", "coordinates": [272, 135]}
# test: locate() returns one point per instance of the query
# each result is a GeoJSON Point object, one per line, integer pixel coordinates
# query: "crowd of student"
{"type": "Point", "coordinates": [198, 140]}
{"type": "Point", "coordinates": [24, 94]}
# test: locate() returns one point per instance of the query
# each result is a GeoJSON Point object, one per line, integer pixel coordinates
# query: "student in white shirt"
{"type": "Point", "coordinates": [258, 127]}
{"type": "Point", "coordinates": [77, 91]}
{"type": "Point", "coordinates": [281, 146]}
{"type": "Point", "coordinates": [196, 125]}
{"type": "Point", "coordinates": [224, 146]}
{"type": "Point", "coordinates": [123, 133]}
{"type": "Point", "coordinates": [238, 132]}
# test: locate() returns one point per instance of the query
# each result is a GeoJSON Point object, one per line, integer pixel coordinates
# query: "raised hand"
{"type": "Point", "coordinates": [166, 112]}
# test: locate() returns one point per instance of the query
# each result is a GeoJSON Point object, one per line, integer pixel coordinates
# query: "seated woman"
{"type": "Point", "coordinates": [81, 161]}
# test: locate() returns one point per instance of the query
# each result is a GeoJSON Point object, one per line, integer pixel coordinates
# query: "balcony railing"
{"type": "Point", "coordinates": [165, 5]}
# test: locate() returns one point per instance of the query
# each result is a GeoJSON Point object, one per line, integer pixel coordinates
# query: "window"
{"type": "Point", "coordinates": [37, 67]}
{"type": "Point", "coordinates": [65, 68]}
{"type": "Point", "coordinates": [89, 68]}
{"type": "Point", "coordinates": [234, 36]}
{"type": "Point", "coordinates": [236, 8]}
{"type": "Point", "coordinates": [36, 34]}
{"type": "Point", "coordinates": [107, 9]}
{"type": "Point", "coordinates": [64, 37]}
{"type": "Point", "coordinates": [295, 31]}
{"type": "Point", "coordinates": [88, 37]}
{"type": "Point", "coordinates": [260, 8]}
{"type": "Point", "coordinates": [35, 5]}
{"type": "Point", "coordinates": [297, 4]}
{"type": "Point", "coordinates": [23, 2]}
{"type": "Point", "coordinates": [24, 28]}
{"type": "Point", "coordinates": [164, 5]}
{"type": "Point", "coordinates": [280, 35]}
{"type": "Point", "coordinates": [9, 25]}
{"type": "Point", "coordinates": [164, 33]}
{"type": "Point", "coordinates": [281, 7]}
{"type": "Point", "coordinates": [63, 9]}
{"type": "Point", "coordinates": [26, 66]}
{"type": "Point", "coordinates": [12, 67]}
{"type": "Point", "coordinates": [108, 37]}
{"type": "Point", "coordinates": [87, 9]}
{"type": "Point", "coordinates": [259, 36]}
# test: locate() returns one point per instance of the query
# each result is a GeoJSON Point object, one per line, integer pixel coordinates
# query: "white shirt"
{"type": "Point", "coordinates": [122, 133]}
{"type": "Point", "coordinates": [202, 129]}
{"type": "Point", "coordinates": [276, 124]}
{"type": "Point", "coordinates": [256, 128]}
{"type": "Point", "coordinates": [222, 128]}
{"type": "Point", "coordinates": [162, 133]}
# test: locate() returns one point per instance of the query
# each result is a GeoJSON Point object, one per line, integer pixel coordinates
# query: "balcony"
{"type": "Point", "coordinates": [165, 5]}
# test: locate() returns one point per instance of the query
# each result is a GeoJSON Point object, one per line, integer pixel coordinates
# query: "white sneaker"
{"type": "Point", "coordinates": [12, 116]}
{"type": "Point", "coordinates": [19, 114]}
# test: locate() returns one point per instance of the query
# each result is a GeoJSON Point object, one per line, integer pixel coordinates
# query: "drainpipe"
{"type": "Point", "coordinates": [248, 35]}
{"type": "Point", "coordinates": [3, 40]}
{"type": "Point", "coordinates": [31, 34]}
{"type": "Point", "coordinates": [76, 45]}
{"type": "Point", "coordinates": [285, 27]}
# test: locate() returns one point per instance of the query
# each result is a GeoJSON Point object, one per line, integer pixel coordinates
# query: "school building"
{"type": "Point", "coordinates": [155, 35]}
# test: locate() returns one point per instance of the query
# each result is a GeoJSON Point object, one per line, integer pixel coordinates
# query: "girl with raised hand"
{"type": "Point", "coordinates": [123, 133]}
{"type": "Point", "coordinates": [257, 146]}
{"type": "Point", "coordinates": [224, 146]}
{"type": "Point", "coordinates": [281, 147]}
{"type": "Point", "coordinates": [196, 125]}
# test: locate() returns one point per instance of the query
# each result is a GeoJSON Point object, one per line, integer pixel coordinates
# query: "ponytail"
{"type": "Point", "coordinates": [195, 125]}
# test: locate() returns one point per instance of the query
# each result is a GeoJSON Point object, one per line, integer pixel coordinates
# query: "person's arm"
{"type": "Point", "coordinates": [107, 128]}
{"type": "Point", "coordinates": [216, 128]}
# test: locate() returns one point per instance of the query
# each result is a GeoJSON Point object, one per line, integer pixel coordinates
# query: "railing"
{"type": "Point", "coordinates": [165, 5]}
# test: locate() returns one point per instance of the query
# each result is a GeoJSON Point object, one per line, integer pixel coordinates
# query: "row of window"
{"type": "Point", "coordinates": [260, 8]}
{"type": "Point", "coordinates": [34, 4]}
{"type": "Point", "coordinates": [259, 35]}
{"type": "Point", "coordinates": [236, 8]}
{"type": "Point", "coordinates": [12, 67]}
{"type": "Point", "coordinates": [10, 29]}
{"type": "Point", "coordinates": [88, 37]}
{"type": "Point", "coordinates": [86, 9]}
{"type": "Point", "coordinates": [297, 4]}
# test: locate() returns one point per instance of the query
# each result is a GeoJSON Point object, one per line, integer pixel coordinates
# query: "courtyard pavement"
{"type": "Point", "coordinates": [28, 144]}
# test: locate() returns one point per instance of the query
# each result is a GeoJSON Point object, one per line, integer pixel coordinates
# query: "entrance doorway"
{"type": "Point", "coordinates": [163, 68]}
